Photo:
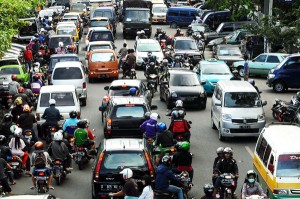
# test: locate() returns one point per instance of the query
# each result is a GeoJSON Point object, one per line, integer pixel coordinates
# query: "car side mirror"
{"type": "Point", "coordinates": [153, 107]}
{"type": "Point", "coordinates": [263, 102]}
{"type": "Point", "coordinates": [218, 103]}
{"type": "Point", "coordinates": [106, 88]}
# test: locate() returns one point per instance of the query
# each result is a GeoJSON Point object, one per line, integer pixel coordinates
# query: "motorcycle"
{"type": "Point", "coordinates": [50, 133]}
{"type": "Point", "coordinates": [157, 151]}
{"type": "Point", "coordinates": [152, 83]}
{"type": "Point", "coordinates": [285, 112]}
{"type": "Point", "coordinates": [28, 137]}
{"type": "Point", "coordinates": [41, 180]}
{"type": "Point", "coordinates": [81, 156]}
{"type": "Point", "coordinates": [59, 171]}
{"type": "Point", "coordinates": [16, 165]}
{"type": "Point", "coordinates": [131, 73]}
{"type": "Point", "coordinates": [227, 182]}
{"type": "Point", "coordinates": [163, 43]}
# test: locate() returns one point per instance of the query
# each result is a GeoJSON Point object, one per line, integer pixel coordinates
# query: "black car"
{"type": "Point", "coordinates": [182, 84]}
{"type": "Point", "coordinates": [114, 155]}
{"type": "Point", "coordinates": [123, 116]}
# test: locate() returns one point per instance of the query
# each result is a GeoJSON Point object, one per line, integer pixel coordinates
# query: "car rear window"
{"type": "Point", "coordinates": [53, 43]}
{"type": "Point", "coordinates": [101, 36]}
{"type": "Point", "coordinates": [67, 73]}
{"type": "Point", "coordinates": [120, 91]}
{"type": "Point", "coordinates": [9, 71]}
{"type": "Point", "coordinates": [95, 47]}
{"type": "Point", "coordinates": [98, 23]}
{"type": "Point", "coordinates": [29, 29]}
{"type": "Point", "coordinates": [119, 160]}
{"type": "Point", "coordinates": [53, 61]}
{"type": "Point", "coordinates": [130, 111]}
{"type": "Point", "coordinates": [9, 62]}
{"type": "Point", "coordinates": [107, 14]}
{"type": "Point", "coordinates": [102, 57]}
{"type": "Point", "coordinates": [66, 31]}
{"type": "Point", "coordinates": [62, 99]}
{"type": "Point", "coordinates": [186, 45]}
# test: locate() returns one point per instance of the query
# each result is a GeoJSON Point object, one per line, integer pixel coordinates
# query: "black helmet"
{"type": "Point", "coordinates": [26, 85]}
{"type": "Point", "coordinates": [81, 124]}
{"type": "Point", "coordinates": [152, 64]}
{"type": "Point", "coordinates": [7, 117]}
{"type": "Point", "coordinates": [2, 140]}
{"type": "Point", "coordinates": [208, 189]}
{"type": "Point", "coordinates": [73, 114]}
{"type": "Point", "coordinates": [147, 115]}
{"type": "Point", "coordinates": [35, 78]}
{"type": "Point", "coordinates": [166, 160]}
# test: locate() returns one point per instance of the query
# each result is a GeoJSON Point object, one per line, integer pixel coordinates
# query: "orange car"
{"type": "Point", "coordinates": [102, 64]}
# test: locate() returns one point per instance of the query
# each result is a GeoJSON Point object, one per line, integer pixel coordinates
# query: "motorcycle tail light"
{"type": "Point", "coordinates": [37, 116]}
{"type": "Point", "coordinates": [41, 173]}
{"type": "Point", "coordinates": [52, 129]}
{"type": "Point", "coordinates": [57, 162]}
{"type": "Point", "coordinates": [108, 123]}
{"type": "Point", "coordinates": [28, 133]}
{"type": "Point", "coordinates": [80, 148]}
{"type": "Point", "coordinates": [14, 159]}
{"type": "Point", "coordinates": [78, 115]}
{"type": "Point", "coordinates": [72, 139]}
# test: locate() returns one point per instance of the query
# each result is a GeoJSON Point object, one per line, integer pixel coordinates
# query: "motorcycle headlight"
{"type": "Point", "coordinates": [174, 95]}
{"type": "Point", "coordinates": [261, 117]}
{"type": "Point", "coordinates": [226, 117]}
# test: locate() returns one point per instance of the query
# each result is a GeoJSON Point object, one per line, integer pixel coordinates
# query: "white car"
{"type": "Point", "coordinates": [159, 12]}
{"type": "Point", "coordinates": [143, 46]}
{"type": "Point", "coordinates": [47, 12]}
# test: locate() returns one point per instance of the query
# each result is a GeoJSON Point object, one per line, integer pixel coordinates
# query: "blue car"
{"type": "Point", "coordinates": [210, 72]}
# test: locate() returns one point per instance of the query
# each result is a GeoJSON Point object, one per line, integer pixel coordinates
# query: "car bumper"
{"type": "Point", "coordinates": [104, 75]}
{"type": "Point", "coordinates": [158, 19]}
{"type": "Point", "coordinates": [133, 30]}
{"type": "Point", "coordinates": [82, 93]}
{"type": "Point", "coordinates": [270, 81]}
{"type": "Point", "coordinates": [99, 193]}
{"type": "Point", "coordinates": [230, 129]}
{"type": "Point", "coordinates": [192, 101]}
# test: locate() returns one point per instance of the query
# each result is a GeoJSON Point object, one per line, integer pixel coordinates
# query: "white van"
{"type": "Point", "coordinates": [237, 109]}
{"type": "Point", "coordinates": [71, 73]}
{"type": "Point", "coordinates": [66, 101]}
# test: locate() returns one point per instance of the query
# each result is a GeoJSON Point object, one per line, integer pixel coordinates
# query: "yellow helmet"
{"type": "Point", "coordinates": [19, 101]}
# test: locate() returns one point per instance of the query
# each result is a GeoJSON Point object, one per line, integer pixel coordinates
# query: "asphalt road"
{"type": "Point", "coordinates": [204, 140]}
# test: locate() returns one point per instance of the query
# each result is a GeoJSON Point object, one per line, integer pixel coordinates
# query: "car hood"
{"type": "Point", "coordinates": [186, 51]}
{"type": "Point", "coordinates": [240, 63]}
{"type": "Point", "coordinates": [210, 33]}
{"type": "Point", "coordinates": [230, 58]}
{"type": "Point", "coordinates": [216, 41]}
{"type": "Point", "coordinates": [243, 113]}
{"type": "Point", "coordinates": [216, 77]}
{"type": "Point", "coordinates": [187, 89]}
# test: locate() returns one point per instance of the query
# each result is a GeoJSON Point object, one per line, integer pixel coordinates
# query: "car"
{"type": "Point", "coordinates": [27, 31]}
{"type": "Point", "coordinates": [109, 12]}
{"type": "Point", "coordinates": [228, 54]}
{"type": "Point", "coordinates": [18, 70]}
{"type": "Point", "coordinates": [99, 34]}
{"type": "Point", "coordinates": [10, 60]}
{"type": "Point", "coordinates": [210, 72]}
{"type": "Point", "coordinates": [102, 64]}
{"type": "Point", "coordinates": [198, 27]}
{"type": "Point", "coordinates": [60, 9]}
{"type": "Point", "coordinates": [47, 12]}
{"type": "Point", "coordinates": [40, 196]}
{"type": "Point", "coordinates": [66, 39]}
{"type": "Point", "coordinates": [143, 46]}
{"type": "Point", "coordinates": [187, 45]}
{"type": "Point", "coordinates": [76, 19]}
{"type": "Point", "coordinates": [182, 85]}
{"type": "Point", "coordinates": [123, 116]}
{"type": "Point", "coordinates": [68, 30]}
{"type": "Point", "coordinates": [113, 156]}
{"type": "Point", "coordinates": [159, 12]}
{"type": "Point", "coordinates": [79, 8]}
{"type": "Point", "coordinates": [182, 4]}
{"type": "Point", "coordinates": [97, 45]}
{"type": "Point", "coordinates": [100, 22]}
{"type": "Point", "coordinates": [260, 65]}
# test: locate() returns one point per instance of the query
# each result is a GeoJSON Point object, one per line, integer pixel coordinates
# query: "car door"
{"type": "Point", "coordinates": [257, 64]}
{"type": "Point", "coordinates": [272, 60]}
{"type": "Point", "coordinates": [183, 18]}
{"type": "Point", "coordinates": [291, 73]}
{"type": "Point", "coordinates": [216, 110]}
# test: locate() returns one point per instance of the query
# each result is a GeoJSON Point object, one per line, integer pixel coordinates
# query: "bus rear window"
{"type": "Point", "coordinates": [288, 165]}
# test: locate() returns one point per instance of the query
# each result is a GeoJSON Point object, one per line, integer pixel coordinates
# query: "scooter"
{"type": "Point", "coordinates": [16, 165]}
{"type": "Point", "coordinates": [152, 83]}
{"type": "Point", "coordinates": [81, 156]}
{"type": "Point", "coordinates": [41, 181]}
{"type": "Point", "coordinates": [227, 182]}
{"type": "Point", "coordinates": [59, 171]}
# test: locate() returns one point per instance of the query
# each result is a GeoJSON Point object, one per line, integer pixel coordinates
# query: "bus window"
{"type": "Point", "coordinates": [267, 155]}
{"type": "Point", "coordinates": [261, 148]}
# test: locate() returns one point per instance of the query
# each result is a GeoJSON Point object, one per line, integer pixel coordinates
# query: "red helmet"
{"type": "Point", "coordinates": [181, 34]}
{"type": "Point", "coordinates": [170, 38]}
{"type": "Point", "coordinates": [14, 77]}
{"type": "Point", "coordinates": [21, 89]}
{"type": "Point", "coordinates": [38, 75]}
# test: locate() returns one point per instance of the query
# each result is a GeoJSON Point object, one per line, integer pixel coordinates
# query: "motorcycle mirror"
{"type": "Point", "coordinates": [263, 102]}
{"type": "Point", "coordinates": [190, 122]}
{"type": "Point", "coordinates": [106, 88]}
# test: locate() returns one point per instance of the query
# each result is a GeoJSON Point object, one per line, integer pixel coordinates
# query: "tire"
{"type": "Point", "coordinates": [80, 165]}
{"type": "Point", "coordinates": [160, 97]}
{"type": "Point", "coordinates": [228, 196]}
{"type": "Point", "coordinates": [241, 71]}
{"type": "Point", "coordinates": [41, 189]}
{"type": "Point", "coordinates": [213, 126]}
{"type": "Point", "coordinates": [221, 137]}
{"type": "Point", "coordinates": [58, 180]}
{"type": "Point", "coordinates": [279, 87]}
{"type": "Point", "coordinates": [83, 102]}
{"type": "Point", "coordinates": [152, 92]}
{"type": "Point", "coordinates": [173, 25]}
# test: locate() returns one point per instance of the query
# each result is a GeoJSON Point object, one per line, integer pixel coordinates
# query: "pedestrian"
{"type": "Point", "coordinates": [122, 54]}
{"type": "Point", "coordinates": [243, 45]}
{"type": "Point", "coordinates": [5, 186]}
{"type": "Point", "coordinates": [249, 47]}
{"type": "Point", "coordinates": [28, 57]}
{"type": "Point", "coordinates": [246, 67]}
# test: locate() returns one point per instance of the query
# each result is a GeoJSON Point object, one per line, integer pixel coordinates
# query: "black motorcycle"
{"type": "Point", "coordinates": [129, 72]}
{"type": "Point", "coordinates": [81, 156]}
{"type": "Point", "coordinates": [227, 183]}
{"type": "Point", "coordinates": [152, 83]}
{"type": "Point", "coordinates": [16, 165]}
{"type": "Point", "coordinates": [284, 111]}
{"type": "Point", "coordinates": [59, 171]}
{"type": "Point", "coordinates": [41, 181]}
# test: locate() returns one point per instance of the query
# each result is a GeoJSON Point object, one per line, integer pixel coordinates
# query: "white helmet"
{"type": "Point", "coordinates": [127, 173]}
{"type": "Point", "coordinates": [138, 32]}
{"type": "Point", "coordinates": [18, 132]}
{"type": "Point", "coordinates": [179, 103]}
{"type": "Point", "coordinates": [142, 32]}
{"type": "Point", "coordinates": [58, 136]}
{"type": "Point", "coordinates": [228, 150]}
{"type": "Point", "coordinates": [60, 44]}
{"type": "Point", "coordinates": [220, 150]}
{"type": "Point", "coordinates": [154, 116]}
{"type": "Point", "coordinates": [52, 101]}
{"type": "Point", "coordinates": [13, 128]}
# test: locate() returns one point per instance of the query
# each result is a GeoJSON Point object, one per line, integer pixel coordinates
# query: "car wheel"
{"type": "Point", "coordinates": [203, 107]}
{"type": "Point", "coordinates": [279, 87]}
{"type": "Point", "coordinates": [213, 126]}
{"type": "Point", "coordinates": [91, 80]}
{"type": "Point", "coordinates": [173, 25]}
{"type": "Point", "coordinates": [241, 71]}
{"type": "Point", "coordinates": [221, 137]}
{"type": "Point", "coordinates": [169, 105]}
{"type": "Point", "coordinates": [83, 102]}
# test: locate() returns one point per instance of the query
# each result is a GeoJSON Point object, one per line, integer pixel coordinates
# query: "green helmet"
{"type": "Point", "coordinates": [185, 146]}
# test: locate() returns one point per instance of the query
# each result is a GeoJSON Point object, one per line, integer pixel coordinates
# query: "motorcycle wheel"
{"type": "Point", "coordinates": [58, 180]}
{"type": "Point", "coordinates": [17, 174]}
{"type": "Point", "coordinates": [152, 92]}
{"type": "Point", "coordinates": [228, 196]}
{"type": "Point", "coordinates": [41, 188]}
{"type": "Point", "coordinates": [80, 165]}
{"type": "Point", "coordinates": [274, 114]}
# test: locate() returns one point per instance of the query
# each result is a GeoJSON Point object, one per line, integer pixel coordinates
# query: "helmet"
{"type": "Point", "coordinates": [251, 172]}
{"type": "Point", "coordinates": [190, 26]}
{"type": "Point", "coordinates": [26, 85]}
{"type": "Point", "coordinates": [127, 173]}
{"type": "Point", "coordinates": [179, 103]}
{"type": "Point", "coordinates": [138, 32]}
{"type": "Point", "coordinates": [228, 150]}
{"type": "Point", "coordinates": [177, 58]}
{"type": "Point", "coordinates": [208, 189]}
{"type": "Point", "coordinates": [13, 128]}
{"type": "Point", "coordinates": [36, 35]}
{"type": "Point", "coordinates": [132, 91]}
{"type": "Point", "coordinates": [185, 146]}
{"type": "Point", "coordinates": [161, 127]}
{"type": "Point", "coordinates": [185, 55]}
{"type": "Point", "coordinates": [7, 117]}
{"type": "Point", "coordinates": [165, 61]}
{"type": "Point", "coordinates": [87, 122]}
{"type": "Point", "coordinates": [149, 54]}
{"type": "Point", "coordinates": [251, 81]}
{"type": "Point", "coordinates": [35, 78]}
{"type": "Point", "coordinates": [170, 38]}
{"type": "Point", "coordinates": [81, 124]}
{"type": "Point", "coordinates": [39, 54]}
{"type": "Point", "coordinates": [52, 102]}
{"type": "Point", "coordinates": [26, 108]}
{"type": "Point", "coordinates": [142, 32]}
{"type": "Point", "coordinates": [163, 33]}
{"type": "Point", "coordinates": [154, 116]}
{"type": "Point", "coordinates": [21, 89]}
{"type": "Point", "coordinates": [220, 150]}
{"type": "Point", "coordinates": [39, 145]}
{"type": "Point", "coordinates": [147, 115]}
{"type": "Point", "coordinates": [60, 44]}
{"type": "Point", "coordinates": [14, 77]}
{"type": "Point", "coordinates": [235, 72]}
{"type": "Point", "coordinates": [166, 160]}
{"type": "Point", "coordinates": [39, 76]}
{"type": "Point", "coordinates": [58, 136]}
{"type": "Point", "coordinates": [158, 29]}
{"type": "Point", "coordinates": [298, 95]}
{"type": "Point", "coordinates": [178, 30]}
{"type": "Point", "coordinates": [2, 139]}
{"type": "Point", "coordinates": [175, 114]}
{"type": "Point", "coordinates": [152, 64]}
{"type": "Point", "coordinates": [73, 114]}
{"type": "Point", "coordinates": [18, 132]}
{"type": "Point", "coordinates": [19, 101]}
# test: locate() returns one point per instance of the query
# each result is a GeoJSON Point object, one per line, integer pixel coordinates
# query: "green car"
{"type": "Point", "coordinates": [260, 65]}
{"type": "Point", "coordinates": [18, 70]}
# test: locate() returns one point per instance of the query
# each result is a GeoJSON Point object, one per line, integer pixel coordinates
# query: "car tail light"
{"type": "Point", "coordinates": [108, 123]}
{"type": "Point", "coordinates": [84, 85]}
{"type": "Point", "coordinates": [37, 116]}
{"type": "Point", "coordinates": [78, 115]}
{"type": "Point", "coordinates": [98, 167]}
{"type": "Point", "coordinates": [150, 166]}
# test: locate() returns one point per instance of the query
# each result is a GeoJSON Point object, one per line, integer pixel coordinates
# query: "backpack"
{"type": "Point", "coordinates": [40, 160]}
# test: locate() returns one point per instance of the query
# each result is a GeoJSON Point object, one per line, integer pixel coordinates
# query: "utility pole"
{"type": "Point", "coordinates": [268, 6]}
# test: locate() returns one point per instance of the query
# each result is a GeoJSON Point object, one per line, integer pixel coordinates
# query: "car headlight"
{"type": "Point", "coordinates": [202, 95]}
{"type": "Point", "coordinates": [226, 117]}
{"type": "Point", "coordinates": [174, 95]}
{"type": "Point", "coordinates": [261, 117]}
{"type": "Point", "coordinates": [281, 191]}
{"type": "Point", "coordinates": [271, 75]}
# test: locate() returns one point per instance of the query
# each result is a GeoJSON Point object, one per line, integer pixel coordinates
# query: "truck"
{"type": "Point", "coordinates": [137, 17]}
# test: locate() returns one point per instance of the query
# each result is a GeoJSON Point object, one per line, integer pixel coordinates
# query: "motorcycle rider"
{"type": "Point", "coordinates": [28, 91]}
{"type": "Point", "coordinates": [164, 175]}
{"type": "Point", "coordinates": [41, 160]}
{"type": "Point", "coordinates": [208, 191]}
{"type": "Point", "coordinates": [169, 58]}
{"type": "Point", "coordinates": [186, 59]}
{"type": "Point", "coordinates": [235, 75]}
{"type": "Point", "coordinates": [130, 62]}
{"type": "Point", "coordinates": [36, 84]}
{"type": "Point", "coordinates": [164, 136]}
{"type": "Point", "coordinates": [6, 154]}
{"type": "Point", "coordinates": [177, 63]}
{"type": "Point", "coordinates": [25, 98]}
{"type": "Point", "coordinates": [70, 124]}
{"type": "Point", "coordinates": [39, 58]}
{"type": "Point", "coordinates": [59, 150]}
{"type": "Point", "coordinates": [158, 32]}
{"type": "Point", "coordinates": [178, 107]}
{"type": "Point", "coordinates": [220, 155]}
{"type": "Point", "coordinates": [52, 116]}
{"type": "Point", "coordinates": [60, 49]}
{"type": "Point", "coordinates": [5, 186]}
{"type": "Point", "coordinates": [178, 33]}
{"type": "Point", "coordinates": [122, 54]}
{"type": "Point", "coordinates": [163, 35]}
{"type": "Point", "coordinates": [17, 110]}
{"type": "Point", "coordinates": [151, 70]}
{"type": "Point", "coordinates": [182, 160]}
{"type": "Point", "coordinates": [90, 134]}
{"type": "Point", "coordinates": [149, 126]}
{"type": "Point", "coordinates": [251, 187]}
{"type": "Point", "coordinates": [226, 165]}
{"type": "Point", "coordinates": [81, 136]}
{"type": "Point", "coordinates": [252, 82]}
{"type": "Point", "coordinates": [142, 35]}
{"type": "Point", "coordinates": [6, 124]}
{"type": "Point", "coordinates": [13, 86]}
{"type": "Point", "coordinates": [26, 121]}
{"type": "Point", "coordinates": [189, 31]}
{"type": "Point", "coordinates": [179, 126]}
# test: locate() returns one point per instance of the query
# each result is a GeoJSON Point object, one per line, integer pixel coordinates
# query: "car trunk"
{"type": "Point", "coordinates": [127, 127]}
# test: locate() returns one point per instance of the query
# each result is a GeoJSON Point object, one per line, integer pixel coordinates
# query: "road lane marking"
{"type": "Point", "coordinates": [249, 151]}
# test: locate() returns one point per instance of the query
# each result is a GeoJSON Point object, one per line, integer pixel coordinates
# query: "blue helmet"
{"type": "Point", "coordinates": [161, 127]}
{"type": "Point", "coordinates": [132, 91]}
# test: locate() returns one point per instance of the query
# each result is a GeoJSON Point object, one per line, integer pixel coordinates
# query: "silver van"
{"type": "Point", "coordinates": [237, 109]}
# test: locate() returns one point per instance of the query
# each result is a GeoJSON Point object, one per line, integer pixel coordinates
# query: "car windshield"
{"type": "Point", "coordinates": [95, 47]}
{"type": "Point", "coordinates": [98, 23]}
{"type": "Point", "coordinates": [119, 160]}
{"type": "Point", "coordinates": [197, 28]}
{"type": "Point", "coordinates": [62, 99]}
{"type": "Point", "coordinates": [107, 14]}
{"type": "Point", "coordinates": [215, 70]}
{"type": "Point", "coordinates": [9, 62]}
{"type": "Point", "coordinates": [229, 52]}
{"type": "Point", "coordinates": [66, 31]}
{"type": "Point", "coordinates": [44, 13]}
{"type": "Point", "coordinates": [71, 16]}
{"type": "Point", "coordinates": [102, 57]}
{"type": "Point", "coordinates": [241, 99]}
{"type": "Point", "coordinates": [288, 165]}
{"type": "Point", "coordinates": [120, 90]}
{"type": "Point", "coordinates": [148, 47]}
{"type": "Point", "coordinates": [53, 61]}
{"type": "Point", "coordinates": [137, 15]}
{"type": "Point", "coordinates": [53, 43]}
{"type": "Point", "coordinates": [130, 111]}
{"type": "Point", "coordinates": [185, 45]}
{"type": "Point", "coordinates": [8, 71]}
{"type": "Point", "coordinates": [184, 80]}
{"type": "Point", "coordinates": [160, 10]}
{"type": "Point", "coordinates": [77, 7]}
{"type": "Point", "coordinates": [67, 73]}
{"type": "Point", "coordinates": [29, 29]}
{"type": "Point", "coordinates": [101, 36]}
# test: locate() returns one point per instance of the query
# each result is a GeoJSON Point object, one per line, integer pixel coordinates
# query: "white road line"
{"type": "Point", "coordinates": [249, 151]}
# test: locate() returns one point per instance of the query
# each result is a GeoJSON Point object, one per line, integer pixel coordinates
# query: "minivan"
{"type": "Point", "coordinates": [180, 16]}
{"type": "Point", "coordinates": [237, 109]}
{"type": "Point", "coordinates": [214, 19]}
{"type": "Point", "coordinates": [285, 75]}
{"type": "Point", "coordinates": [276, 160]}
{"type": "Point", "coordinates": [71, 73]}
{"type": "Point", "coordinates": [108, 12]}
{"type": "Point", "coordinates": [28, 31]}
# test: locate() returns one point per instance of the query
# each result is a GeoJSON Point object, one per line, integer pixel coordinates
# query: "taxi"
{"type": "Point", "coordinates": [68, 29]}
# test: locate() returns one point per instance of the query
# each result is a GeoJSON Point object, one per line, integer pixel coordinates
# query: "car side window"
{"type": "Point", "coordinates": [173, 13]}
{"type": "Point", "coordinates": [262, 148]}
{"type": "Point", "coordinates": [293, 63]}
{"type": "Point", "coordinates": [184, 14]}
{"type": "Point", "coordinates": [228, 28]}
{"type": "Point", "coordinates": [267, 155]}
{"type": "Point", "coordinates": [272, 59]}
{"type": "Point", "coordinates": [261, 58]}
{"type": "Point", "coordinates": [271, 164]}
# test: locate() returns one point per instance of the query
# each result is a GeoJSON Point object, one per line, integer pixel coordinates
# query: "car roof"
{"type": "Point", "coordinates": [147, 41]}
{"type": "Point", "coordinates": [100, 18]}
{"type": "Point", "coordinates": [63, 55]}
{"type": "Point", "coordinates": [98, 29]}
{"type": "Point", "coordinates": [122, 144]}
{"type": "Point", "coordinates": [43, 196]}
{"type": "Point", "coordinates": [228, 46]}
{"type": "Point", "coordinates": [183, 38]}
{"type": "Point", "coordinates": [277, 54]}
{"type": "Point", "coordinates": [236, 86]}
{"type": "Point", "coordinates": [71, 13]}
{"type": "Point", "coordinates": [104, 8]}
{"type": "Point", "coordinates": [159, 5]}
{"type": "Point", "coordinates": [123, 100]}
{"type": "Point", "coordinates": [11, 66]}
{"type": "Point", "coordinates": [100, 43]}
{"type": "Point", "coordinates": [57, 36]}
{"type": "Point", "coordinates": [103, 51]}
{"type": "Point", "coordinates": [212, 61]}
{"type": "Point", "coordinates": [128, 82]}
{"type": "Point", "coordinates": [9, 58]}
{"type": "Point", "coordinates": [64, 64]}
{"type": "Point", "coordinates": [183, 8]}
{"type": "Point", "coordinates": [58, 88]}
{"type": "Point", "coordinates": [180, 71]}
{"type": "Point", "coordinates": [283, 138]}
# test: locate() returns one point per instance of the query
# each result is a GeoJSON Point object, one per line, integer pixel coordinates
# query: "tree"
{"type": "Point", "coordinates": [10, 13]}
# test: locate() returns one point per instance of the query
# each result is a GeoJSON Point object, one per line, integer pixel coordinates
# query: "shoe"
{"type": "Point", "coordinates": [32, 187]}
{"type": "Point", "coordinates": [69, 170]}
{"type": "Point", "coordinates": [52, 188]}
{"type": "Point", "coordinates": [28, 173]}
{"type": "Point", "coordinates": [13, 183]}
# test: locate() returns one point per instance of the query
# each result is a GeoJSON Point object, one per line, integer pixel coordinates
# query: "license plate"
{"type": "Point", "coordinates": [244, 127]}
{"type": "Point", "coordinates": [80, 153]}
{"type": "Point", "coordinates": [103, 76]}
{"type": "Point", "coordinates": [28, 136]}
{"type": "Point", "coordinates": [15, 163]}
{"type": "Point", "coordinates": [109, 187]}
